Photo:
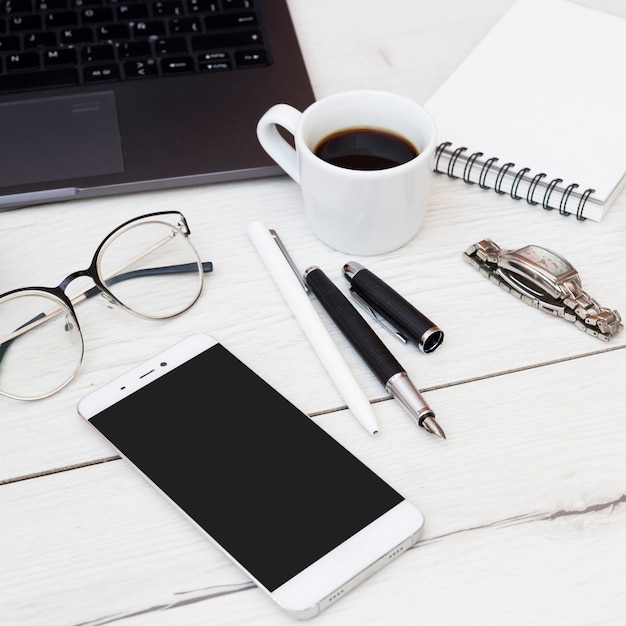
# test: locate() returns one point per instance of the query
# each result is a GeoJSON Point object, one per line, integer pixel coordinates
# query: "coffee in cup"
{"type": "Point", "coordinates": [365, 149]}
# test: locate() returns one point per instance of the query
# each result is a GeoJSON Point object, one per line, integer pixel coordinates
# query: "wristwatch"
{"type": "Point", "coordinates": [545, 280]}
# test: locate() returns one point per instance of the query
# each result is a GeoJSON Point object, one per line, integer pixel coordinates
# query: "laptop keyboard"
{"type": "Point", "coordinates": [58, 43]}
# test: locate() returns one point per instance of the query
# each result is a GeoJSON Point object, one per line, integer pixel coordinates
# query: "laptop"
{"type": "Point", "coordinates": [102, 97]}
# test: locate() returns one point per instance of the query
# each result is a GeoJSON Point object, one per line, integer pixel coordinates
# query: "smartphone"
{"type": "Point", "coordinates": [292, 507]}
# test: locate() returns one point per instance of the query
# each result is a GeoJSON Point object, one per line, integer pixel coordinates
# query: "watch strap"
{"type": "Point", "coordinates": [579, 307]}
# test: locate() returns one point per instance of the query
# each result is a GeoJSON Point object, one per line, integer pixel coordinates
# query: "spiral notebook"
{"type": "Point", "coordinates": [538, 109]}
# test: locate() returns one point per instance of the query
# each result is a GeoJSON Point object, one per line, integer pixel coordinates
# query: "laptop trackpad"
{"type": "Point", "coordinates": [59, 138]}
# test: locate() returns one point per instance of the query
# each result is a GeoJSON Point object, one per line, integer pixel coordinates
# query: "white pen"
{"type": "Point", "coordinates": [287, 280]}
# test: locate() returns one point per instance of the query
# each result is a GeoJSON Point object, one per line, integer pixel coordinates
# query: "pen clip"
{"type": "Point", "coordinates": [385, 323]}
{"type": "Point", "coordinates": [288, 258]}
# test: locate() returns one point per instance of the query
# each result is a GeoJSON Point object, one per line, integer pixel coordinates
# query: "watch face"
{"type": "Point", "coordinates": [549, 261]}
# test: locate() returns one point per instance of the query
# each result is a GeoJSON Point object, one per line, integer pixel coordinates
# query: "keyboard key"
{"type": "Point", "coordinates": [132, 12]}
{"type": "Point", "coordinates": [84, 3]}
{"type": "Point", "coordinates": [250, 58]}
{"type": "Point", "coordinates": [9, 43]}
{"type": "Point", "coordinates": [202, 6]}
{"type": "Point", "coordinates": [177, 65]}
{"type": "Point", "coordinates": [35, 80]}
{"type": "Point", "coordinates": [168, 8]}
{"type": "Point", "coordinates": [61, 19]}
{"type": "Point", "coordinates": [22, 61]}
{"type": "Point", "coordinates": [9, 7]}
{"type": "Point", "coordinates": [129, 49]}
{"type": "Point", "coordinates": [171, 45]}
{"type": "Point", "coordinates": [63, 56]}
{"type": "Point", "coordinates": [237, 4]}
{"type": "Point", "coordinates": [97, 52]}
{"type": "Point", "coordinates": [22, 23]}
{"type": "Point", "coordinates": [230, 20]}
{"type": "Point", "coordinates": [215, 57]}
{"type": "Point", "coordinates": [97, 15]}
{"type": "Point", "coordinates": [185, 25]}
{"type": "Point", "coordinates": [226, 40]}
{"type": "Point", "coordinates": [146, 68]}
{"type": "Point", "coordinates": [112, 32]}
{"type": "Point", "coordinates": [46, 39]}
{"type": "Point", "coordinates": [149, 29]}
{"type": "Point", "coordinates": [50, 5]}
{"type": "Point", "coordinates": [214, 63]}
{"type": "Point", "coordinates": [101, 73]}
{"type": "Point", "coordinates": [73, 36]}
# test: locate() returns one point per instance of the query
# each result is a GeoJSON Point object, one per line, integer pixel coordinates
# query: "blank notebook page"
{"type": "Point", "coordinates": [546, 90]}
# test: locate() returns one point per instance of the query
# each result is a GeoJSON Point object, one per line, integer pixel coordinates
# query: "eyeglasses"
{"type": "Point", "coordinates": [41, 345]}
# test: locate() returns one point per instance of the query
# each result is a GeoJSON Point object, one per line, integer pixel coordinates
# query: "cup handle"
{"type": "Point", "coordinates": [272, 141]}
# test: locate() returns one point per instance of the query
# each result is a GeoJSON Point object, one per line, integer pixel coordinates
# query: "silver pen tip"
{"type": "Point", "coordinates": [431, 425]}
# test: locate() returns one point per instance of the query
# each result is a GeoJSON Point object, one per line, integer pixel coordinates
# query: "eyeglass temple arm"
{"type": "Point", "coordinates": [207, 266]}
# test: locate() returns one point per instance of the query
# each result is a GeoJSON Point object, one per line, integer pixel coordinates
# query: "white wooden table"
{"type": "Point", "coordinates": [525, 502]}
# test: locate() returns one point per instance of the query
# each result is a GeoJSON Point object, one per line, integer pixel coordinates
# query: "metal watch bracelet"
{"type": "Point", "coordinates": [579, 307]}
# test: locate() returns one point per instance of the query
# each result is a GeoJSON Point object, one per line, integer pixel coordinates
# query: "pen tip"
{"type": "Point", "coordinates": [431, 425]}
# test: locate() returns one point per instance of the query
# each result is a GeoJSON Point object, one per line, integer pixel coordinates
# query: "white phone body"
{"type": "Point", "coordinates": [303, 517]}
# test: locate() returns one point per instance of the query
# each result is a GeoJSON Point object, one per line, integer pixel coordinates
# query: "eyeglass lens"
{"type": "Point", "coordinates": [41, 345]}
{"type": "Point", "coordinates": [150, 267]}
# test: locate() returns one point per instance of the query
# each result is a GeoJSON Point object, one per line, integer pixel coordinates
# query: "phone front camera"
{"type": "Point", "coordinates": [163, 363]}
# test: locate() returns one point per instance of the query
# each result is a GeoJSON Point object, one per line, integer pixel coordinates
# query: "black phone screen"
{"type": "Point", "coordinates": [269, 485]}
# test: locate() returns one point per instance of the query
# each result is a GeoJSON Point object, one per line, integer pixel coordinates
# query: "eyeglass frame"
{"type": "Point", "coordinates": [59, 294]}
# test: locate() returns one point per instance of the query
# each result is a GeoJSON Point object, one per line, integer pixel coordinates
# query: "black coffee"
{"type": "Point", "coordinates": [365, 149]}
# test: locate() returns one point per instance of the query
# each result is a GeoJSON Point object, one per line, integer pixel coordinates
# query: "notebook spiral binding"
{"type": "Point", "coordinates": [479, 173]}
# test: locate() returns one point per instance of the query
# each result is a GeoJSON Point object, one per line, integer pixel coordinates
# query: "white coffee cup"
{"type": "Point", "coordinates": [355, 211]}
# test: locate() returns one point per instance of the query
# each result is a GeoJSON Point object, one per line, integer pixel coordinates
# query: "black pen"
{"type": "Point", "coordinates": [369, 345]}
{"type": "Point", "coordinates": [400, 317]}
